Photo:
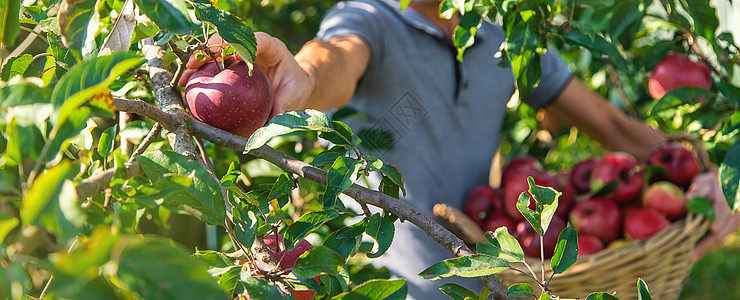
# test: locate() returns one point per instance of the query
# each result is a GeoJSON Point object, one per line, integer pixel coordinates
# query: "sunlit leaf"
{"type": "Point", "coordinates": [168, 14]}
{"type": "Point", "coordinates": [466, 266]}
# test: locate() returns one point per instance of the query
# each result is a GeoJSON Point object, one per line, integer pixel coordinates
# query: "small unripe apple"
{"type": "Point", "coordinates": [230, 99]}
{"type": "Point", "coordinates": [666, 198]}
{"type": "Point", "coordinates": [642, 224]}
{"type": "Point", "coordinates": [677, 70]}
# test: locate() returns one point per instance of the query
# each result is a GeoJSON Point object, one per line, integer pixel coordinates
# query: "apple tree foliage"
{"type": "Point", "coordinates": [76, 195]}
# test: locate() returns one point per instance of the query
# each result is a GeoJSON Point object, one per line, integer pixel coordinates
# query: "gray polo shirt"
{"type": "Point", "coordinates": [444, 116]}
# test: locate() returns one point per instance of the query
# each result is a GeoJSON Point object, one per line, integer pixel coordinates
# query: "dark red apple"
{"type": "Point", "coordinates": [530, 240]}
{"type": "Point", "coordinates": [667, 199]}
{"type": "Point", "coordinates": [588, 244]}
{"type": "Point", "coordinates": [643, 223]}
{"type": "Point", "coordinates": [580, 176]}
{"type": "Point", "coordinates": [568, 197]}
{"type": "Point", "coordinates": [681, 164]}
{"type": "Point", "coordinates": [520, 164]}
{"type": "Point", "coordinates": [601, 218]}
{"type": "Point", "coordinates": [517, 183]}
{"type": "Point", "coordinates": [618, 167]}
{"type": "Point", "coordinates": [287, 259]}
{"type": "Point", "coordinates": [676, 70]}
{"type": "Point", "coordinates": [481, 202]}
{"type": "Point", "coordinates": [498, 219]}
{"type": "Point", "coordinates": [230, 99]}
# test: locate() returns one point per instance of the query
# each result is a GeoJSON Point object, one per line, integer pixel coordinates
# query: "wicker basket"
{"type": "Point", "coordinates": [663, 261]}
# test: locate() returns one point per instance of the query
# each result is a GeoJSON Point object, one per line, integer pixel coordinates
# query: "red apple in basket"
{"type": "Point", "coordinates": [580, 176]}
{"type": "Point", "coordinates": [598, 217]}
{"type": "Point", "coordinates": [530, 240]}
{"type": "Point", "coordinates": [230, 99]}
{"type": "Point", "coordinates": [667, 199]}
{"type": "Point", "coordinates": [676, 70]}
{"type": "Point", "coordinates": [621, 168]}
{"type": "Point", "coordinates": [520, 164]}
{"type": "Point", "coordinates": [499, 219]}
{"type": "Point", "coordinates": [568, 197]}
{"type": "Point", "coordinates": [681, 164]}
{"type": "Point", "coordinates": [643, 223]}
{"type": "Point", "coordinates": [588, 244]}
{"type": "Point", "coordinates": [481, 202]}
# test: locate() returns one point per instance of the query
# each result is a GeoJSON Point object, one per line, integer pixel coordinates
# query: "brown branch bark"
{"type": "Point", "coordinates": [363, 195]}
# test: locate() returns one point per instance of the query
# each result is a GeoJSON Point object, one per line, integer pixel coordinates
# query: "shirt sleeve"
{"type": "Point", "coordinates": [360, 18]}
{"type": "Point", "coordinates": [554, 77]}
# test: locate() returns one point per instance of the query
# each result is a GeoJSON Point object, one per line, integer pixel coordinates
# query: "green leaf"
{"type": "Point", "coordinates": [44, 192]}
{"type": "Point", "coordinates": [158, 269]}
{"type": "Point", "coordinates": [245, 227]}
{"type": "Point", "coordinates": [458, 292]}
{"type": "Point", "coordinates": [327, 158]}
{"type": "Point", "coordinates": [258, 288]}
{"type": "Point", "coordinates": [16, 66]}
{"type": "Point", "coordinates": [9, 21]}
{"type": "Point", "coordinates": [601, 296]}
{"type": "Point", "coordinates": [107, 141]}
{"type": "Point", "coordinates": [382, 231]}
{"type": "Point", "coordinates": [229, 280]}
{"type": "Point", "coordinates": [404, 4]}
{"type": "Point", "coordinates": [642, 290]}
{"type": "Point", "coordinates": [63, 56]}
{"type": "Point", "coordinates": [391, 172]}
{"type": "Point", "coordinates": [547, 203]}
{"type": "Point", "coordinates": [6, 226]}
{"type": "Point", "coordinates": [144, 30]}
{"type": "Point", "coordinates": [376, 289]}
{"type": "Point", "coordinates": [214, 258]}
{"type": "Point", "coordinates": [545, 297]}
{"type": "Point", "coordinates": [78, 23]}
{"type": "Point", "coordinates": [704, 17]}
{"type": "Point", "coordinates": [168, 14]}
{"type": "Point", "coordinates": [231, 28]}
{"type": "Point", "coordinates": [566, 251]}
{"type": "Point", "coordinates": [203, 198]}
{"type": "Point", "coordinates": [317, 261]}
{"type": "Point", "coordinates": [342, 174]}
{"type": "Point", "coordinates": [87, 80]}
{"type": "Point", "coordinates": [282, 188]}
{"type": "Point", "coordinates": [467, 266]}
{"type": "Point", "coordinates": [523, 290]}
{"type": "Point", "coordinates": [729, 177]}
{"type": "Point", "coordinates": [305, 225]}
{"type": "Point", "coordinates": [464, 35]}
{"type": "Point", "coordinates": [20, 141]}
{"type": "Point", "coordinates": [701, 206]}
{"type": "Point", "coordinates": [308, 120]}
{"type": "Point", "coordinates": [23, 94]}
{"type": "Point", "coordinates": [532, 216]}
{"type": "Point", "coordinates": [508, 243]}
{"type": "Point", "coordinates": [346, 240]}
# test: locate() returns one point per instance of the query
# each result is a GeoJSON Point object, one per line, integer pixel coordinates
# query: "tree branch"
{"type": "Point", "coordinates": [363, 195]}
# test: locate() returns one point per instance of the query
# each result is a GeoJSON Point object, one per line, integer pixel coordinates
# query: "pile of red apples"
{"type": "Point", "coordinates": [609, 200]}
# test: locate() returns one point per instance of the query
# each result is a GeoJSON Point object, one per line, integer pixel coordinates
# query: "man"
{"type": "Point", "coordinates": [399, 69]}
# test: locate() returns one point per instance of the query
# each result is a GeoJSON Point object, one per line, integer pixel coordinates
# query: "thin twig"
{"type": "Point", "coordinates": [51, 278]}
{"type": "Point", "coordinates": [151, 137]}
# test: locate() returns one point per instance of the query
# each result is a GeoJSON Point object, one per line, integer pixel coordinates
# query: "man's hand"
{"type": "Point", "coordinates": [725, 223]}
{"type": "Point", "coordinates": [291, 84]}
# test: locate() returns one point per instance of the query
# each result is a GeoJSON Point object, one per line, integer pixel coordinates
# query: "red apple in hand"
{"type": "Point", "coordinates": [601, 218]}
{"type": "Point", "coordinates": [530, 240]}
{"type": "Point", "coordinates": [230, 99]}
{"type": "Point", "coordinates": [667, 199]}
{"type": "Point", "coordinates": [681, 165]}
{"type": "Point", "coordinates": [588, 244]}
{"type": "Point", "coordinates": [642, 224]}
{"type": "Point", "coordinates": [580, 176]}
{"type": "Point", "coordinates": [481, 202]}
{"type": "Point", "coordinates": [677, 70]}
{"type": "Point", "coordinates": [499, 219]}
{"type": "Point", "coordinates": [287, 259]}
{"type": "Point", "coordinates": [618, 167]}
